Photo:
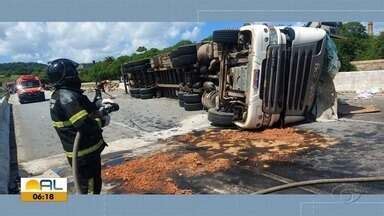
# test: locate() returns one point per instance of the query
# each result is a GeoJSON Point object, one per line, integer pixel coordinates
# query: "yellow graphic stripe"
{"type": "Point", "coordinates": [87, 150]}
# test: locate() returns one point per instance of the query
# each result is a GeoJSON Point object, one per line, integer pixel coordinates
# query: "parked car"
{"type": "Point", "coordinates": [29, 89]}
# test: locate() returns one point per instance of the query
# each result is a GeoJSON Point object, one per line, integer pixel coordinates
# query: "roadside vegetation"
{"type": "Point", "coordinates": [354, 45]}
{"type": "Point", "coordinates": [110, 67]}
{"type": "Point", "coordinates": [357, 45]}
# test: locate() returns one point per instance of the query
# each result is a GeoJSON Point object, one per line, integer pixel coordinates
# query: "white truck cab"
{"type": "Point", "coordinates": [267, 74]}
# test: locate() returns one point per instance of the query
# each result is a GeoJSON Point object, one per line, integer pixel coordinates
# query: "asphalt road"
{"type": "Point", "coordinates": [358, 151]}
{"type": "Point", "coordinates": [36, 138]}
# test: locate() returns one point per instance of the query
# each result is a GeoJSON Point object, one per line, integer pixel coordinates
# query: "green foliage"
{"type": "Point", "coordinates": [357, 45]}
{"type": "Point", "coordinates": [110, 68]}
{"type": "Point", "coordinates": [20, 68]}
{"type": "Point", "coordinates": [141, 49]}
{"type": "Point", "coordinates": [10, 71]}
{"type": "Point", "coordinates": [353, 30]}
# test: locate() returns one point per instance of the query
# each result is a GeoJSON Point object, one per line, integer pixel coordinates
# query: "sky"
{"type": "Point", "coordinates": [87, 41]}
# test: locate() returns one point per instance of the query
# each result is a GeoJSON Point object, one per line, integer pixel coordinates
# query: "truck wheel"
{"type": "Point", "coordinates": [192, 98]}
{"type": "Point", "coordinates": [184, 50]}
{"type": "Point", "coordinates": [219, 118]}
{"type": "Point", "coordinates": [180, 95]}
{"type": "Point", "coordinates": [225, 36]}
{"type": "Point", "coordinates": [139, 67]}
{"type": "Point", "coordinates": [135, 95]}
{"type": "Point", "coordinates": [42, 97]}
{"type": "Point", "coordinates": [147, 90]}
{"type": "Point", "coordinates": [193, 106]}
{"type": "Point", "coordinates": [187, 49]}
{"type": "Point", "coordinates": [184, 60]}
{"type": "Point", "coordinates": [147, 96]}
{"type": "Point", "coordinates": [181, 103]}
{"type": "Point", "coordinates": [134, 91]}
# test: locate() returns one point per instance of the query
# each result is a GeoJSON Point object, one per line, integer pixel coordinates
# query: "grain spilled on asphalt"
{"type": "Point", "coordinates": [208, 152]}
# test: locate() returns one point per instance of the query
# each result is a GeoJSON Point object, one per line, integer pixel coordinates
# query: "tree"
{"type": "Point", "coordinates": [353, 46]}
{"type": "Point", "coordinates": [109, 59]}
{"type": "Point", "coordinates": [380, 45]}
{"type": "Point", "coordinates": [141, 49]}
{"type": "Point", "coordinates": [353, 30]}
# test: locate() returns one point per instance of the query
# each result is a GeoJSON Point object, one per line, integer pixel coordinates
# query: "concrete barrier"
{"type": "Point", "coordinates": [369, 65]}
{"type": "Point", "coordinates": [359, 80]}
{"type": "Point", "coordinates": [4, 145]}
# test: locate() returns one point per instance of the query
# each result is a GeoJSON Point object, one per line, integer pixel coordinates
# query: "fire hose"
{"type": "Point", "coordinates": [320, 181]}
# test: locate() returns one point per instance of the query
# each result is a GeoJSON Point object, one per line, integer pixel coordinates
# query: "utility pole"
{"type": "Point", "coordinates": [370, 28]}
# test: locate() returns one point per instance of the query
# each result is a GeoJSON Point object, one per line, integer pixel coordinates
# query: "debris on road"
{"type": "Point", "coordinates": [366, 94]}
{"type": "Point", "coordinates": [204, 153]}
{"type": "Point", "coordinates": [347, 109]}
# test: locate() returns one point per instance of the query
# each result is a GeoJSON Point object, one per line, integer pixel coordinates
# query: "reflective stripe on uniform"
{"type": "Point", "coordinates": [71, 121]}
{"type": "Point", "coordinates": [98, 120]}
{"type": "Point", "coordinates": [90, 185]}
{"type": "Point", "coordinates": [87, 150]}
{"type": "Point", "coordinates": [61, 124]}
{"type": "Point", "coordinates": [78, 116]}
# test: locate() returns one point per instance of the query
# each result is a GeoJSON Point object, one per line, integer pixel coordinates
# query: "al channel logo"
{"type": "Point", "coordinates": [44, 189]}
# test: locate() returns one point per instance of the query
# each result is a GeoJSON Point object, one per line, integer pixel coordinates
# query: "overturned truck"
{"type": "Point", "coordinates": [255, 77]}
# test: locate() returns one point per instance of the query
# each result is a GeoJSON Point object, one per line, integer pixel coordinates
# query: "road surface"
{"type": "Point", "coordinates": [36, 138]}
{"type": "Point", "coordinates": [139, 125]}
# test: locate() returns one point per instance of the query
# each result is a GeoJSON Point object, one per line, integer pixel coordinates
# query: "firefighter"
{"type": "Point", "coordinates": [73, 112]}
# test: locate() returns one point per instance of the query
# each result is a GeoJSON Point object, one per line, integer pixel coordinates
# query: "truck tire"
{"type": "Point", "coordinates": [184, 50]}
{"type": "Point", "coordinates": [147, 90]}
{"type": "Point", "coordinates": [182, 60]}
{"type": "Point", "coordinates": [134, 90]}
{"type": "Point", "coordinates": [193, 106]}
{"type": "Point", "coordinates": [225, 36]}
{"type": "Point", "coordinates": [192, 98]}
{"type": "Point", "coordinates": [135, 95]}
{"type": "Point", "coordinates": [181, 103]}
{"type": "Point", "coordinates": [139, 62]}
{"type": "Point", "coordinates": [180, 95]}
{"type": "Point", "coordinates": [140, 68]}
{"type": "Point", "coordinates": [219, 118]}
{"type": "Point", "coordinates": [147, 96]}
{"type": "Point", "coordinates": [187, 49]}
{"type": "Point", "coordinates": [42, 98]}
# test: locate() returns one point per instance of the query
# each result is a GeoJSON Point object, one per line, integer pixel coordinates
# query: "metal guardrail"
{"type": "Point", "coordinates": [3, 92]}
{"type": "Point", "coordinates": [4, 140]}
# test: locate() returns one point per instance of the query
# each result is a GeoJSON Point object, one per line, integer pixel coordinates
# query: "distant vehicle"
{"type": "Point", "coordinates": [29, 89]}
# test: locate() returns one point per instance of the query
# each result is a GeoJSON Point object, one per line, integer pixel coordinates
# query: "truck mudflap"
{"type": "Point", "coordinates": [289, 77]}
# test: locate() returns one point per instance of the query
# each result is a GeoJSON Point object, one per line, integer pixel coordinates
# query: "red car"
{"type": "Point", "coordinates": [29, 88]}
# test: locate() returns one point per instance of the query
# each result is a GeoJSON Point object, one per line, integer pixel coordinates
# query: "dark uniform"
{"type": "Point", "coordinates": [72, 112]}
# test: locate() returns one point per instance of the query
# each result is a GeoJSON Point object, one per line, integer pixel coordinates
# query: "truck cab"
{"type": "Point", "coordinates": [267, 74]}
{"type": "Point", "coordinates": [29, 89]}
